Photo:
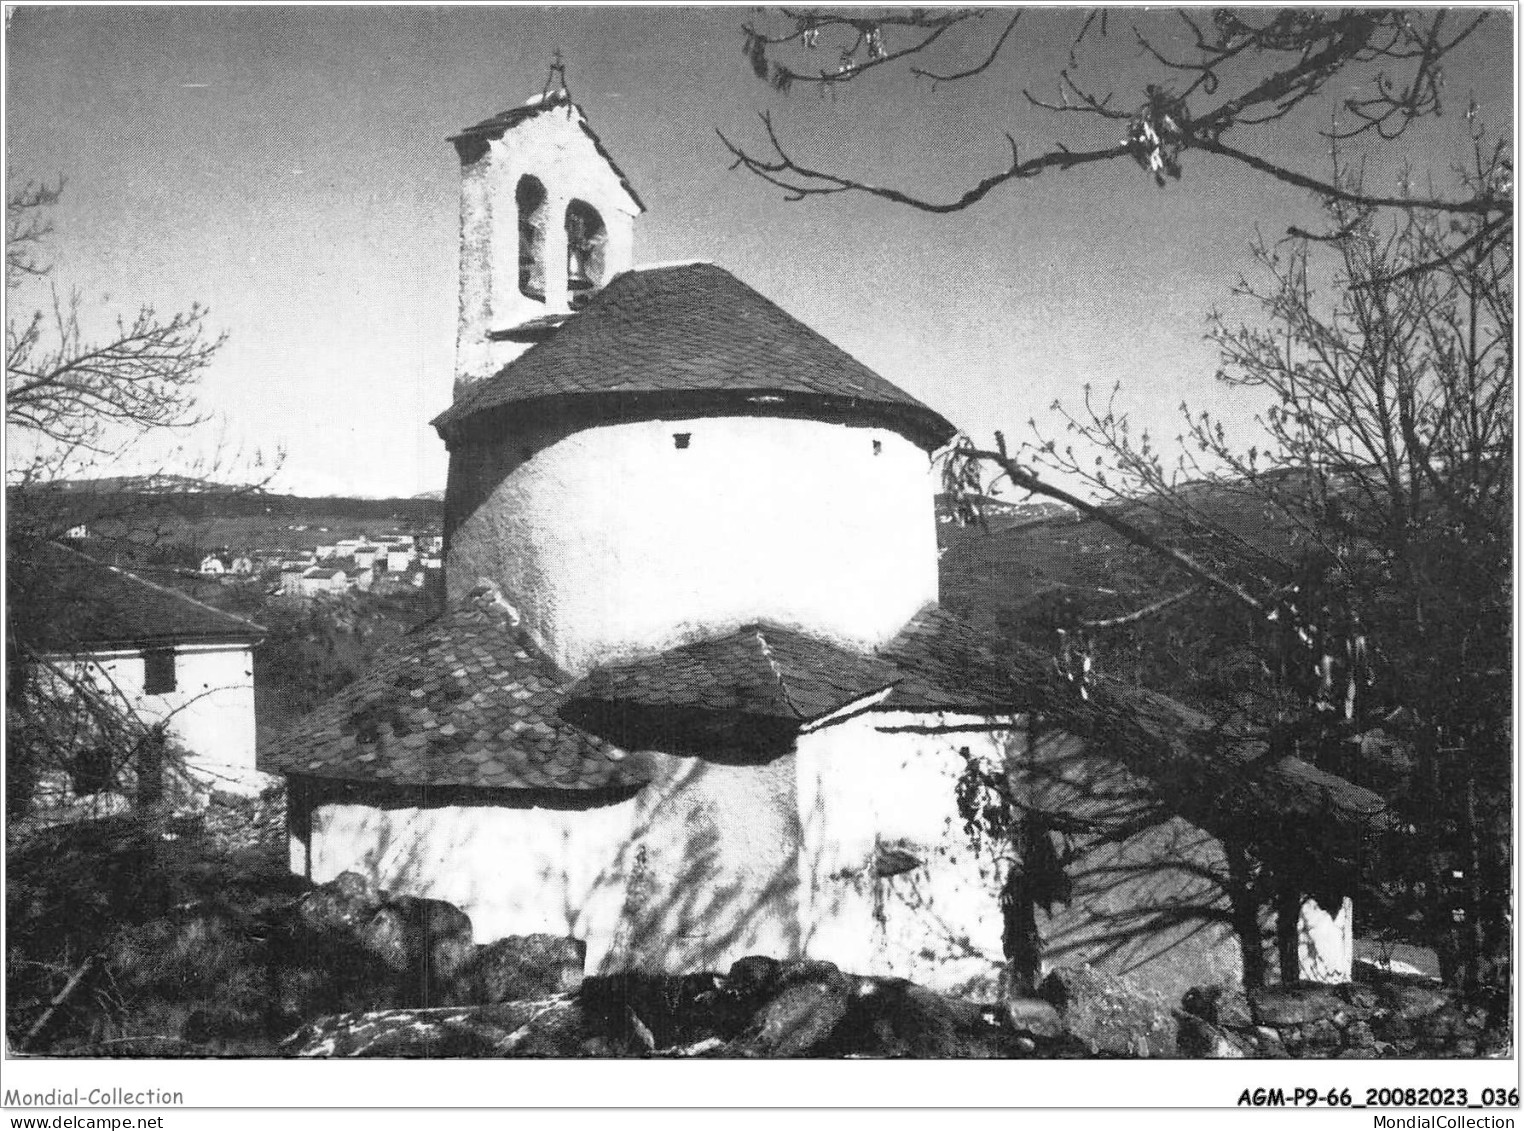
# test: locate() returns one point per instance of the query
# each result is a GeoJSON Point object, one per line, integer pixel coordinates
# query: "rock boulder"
{"type": "Point", "coordinates": [1109, 1016]}
{"type": "Point", "coordinates": [520, 967]}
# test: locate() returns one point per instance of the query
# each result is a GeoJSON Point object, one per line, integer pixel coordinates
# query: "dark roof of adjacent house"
{"type": "Point", "coordinates": [462, 700]}
{"type": "Point", "coordinates": [496, 126]}
{"type": "Point", "coordinates": [65, 602]}
{"type": "Point", "coordinates": [696, 331]}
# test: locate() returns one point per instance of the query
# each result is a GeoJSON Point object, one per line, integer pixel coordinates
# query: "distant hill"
{"type": "Point", "coordinates": [1004, 512]}
{"type": "Point", "coordinates": [166, 527]}
{"type": "Point", "coordinates": [1018, 567]}
{"type": "Point", "coordinates": [156, 484]}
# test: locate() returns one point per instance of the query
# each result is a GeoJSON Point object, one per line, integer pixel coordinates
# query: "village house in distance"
{"type": "Point", "coordinates": [687, 705]}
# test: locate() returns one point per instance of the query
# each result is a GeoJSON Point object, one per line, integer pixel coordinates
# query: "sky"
{"type": "Point", "coordinates": [287, 167]}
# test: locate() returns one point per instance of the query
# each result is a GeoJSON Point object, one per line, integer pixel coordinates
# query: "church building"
{"type": "Point", "coordinates": [693, 697]}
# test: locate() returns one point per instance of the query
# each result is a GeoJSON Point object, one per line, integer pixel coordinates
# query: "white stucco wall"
{"type": "Point", "coordinates": [614, 542]}
{"type": "Point", "coordinates": [694, 872]}
{"type": "Point", "coordinates": [881, 777]}
{"type": "Point", "coordinates": [552, 147]}
{"type": "Point", "coordinates": [719, 858]}
{"type": "Point", "coordinates": [210, 713]}
{"type": "Point", "coordinates": [1326, 943]}
{"type": "Point", "coordinates": [513, 870]}
{"type": "Point", "coordinates": [710, 873]}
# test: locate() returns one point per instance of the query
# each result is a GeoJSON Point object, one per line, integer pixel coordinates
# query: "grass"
{"type": "Point", "coordinates": [173, 925]}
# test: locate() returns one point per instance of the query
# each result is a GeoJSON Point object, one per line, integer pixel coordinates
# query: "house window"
{"type": "Point", "coordinates": [878, 447]}
{"type": "Point", "coordinates": [159, 671]}
{"type": "Point", "coordinates": [530, 197]}
{"type": "Point", "coordinates": [680, 439]}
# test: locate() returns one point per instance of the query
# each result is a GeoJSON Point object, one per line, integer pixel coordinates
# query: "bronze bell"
{"type": "Point", "coordinates": [577, 277]}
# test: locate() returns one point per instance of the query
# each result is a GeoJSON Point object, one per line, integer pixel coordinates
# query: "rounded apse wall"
{"type": "Point", "coordinates": [629, 538]}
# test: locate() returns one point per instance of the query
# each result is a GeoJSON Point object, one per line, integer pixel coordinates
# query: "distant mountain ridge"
{"type": "Point", "coordinates": [158, 483]}
{"type": "Point", "coordinates": [166, 484]}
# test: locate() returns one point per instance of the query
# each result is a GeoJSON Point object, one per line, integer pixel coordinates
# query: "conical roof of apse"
{"type": "Point", "coordinates": [695, 332]}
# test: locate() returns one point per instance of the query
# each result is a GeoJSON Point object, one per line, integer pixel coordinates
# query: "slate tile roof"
{"type": "Point", "coordinates": [461, 700]}
{"type": "Point", "coordinates": [63, 601]}
{"type": "Point", "coordinates": [757, 670]}
{"type": "Point", "coordinates": [464, 700]}
{"type": "Point", "coordinates": [947, 664]}
{"type": "Point", "coordinates": [693, 328]}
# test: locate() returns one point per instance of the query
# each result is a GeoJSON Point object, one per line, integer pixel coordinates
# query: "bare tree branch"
{"type": "Point", "coordinates": [799, 181]}
{"type": "Point", "coordinates": [978, 68]}
{"type": "Point", "coordinates": [1277, 64]}
{"type": "Point", "coordinates": [1145, 612]}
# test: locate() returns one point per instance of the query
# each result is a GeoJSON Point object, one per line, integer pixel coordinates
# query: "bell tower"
{"type": "Point", "coordinates": [546, 219]}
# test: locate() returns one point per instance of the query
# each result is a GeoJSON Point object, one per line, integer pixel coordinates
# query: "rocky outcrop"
{"type": "Point", "coordinates": [1109, 1016]}
{"type": "Point", "coordinates": [1394, 1017]}
{"type": "Point", "coordinates": [520, 968]}
{"type": "Point", "coordinates": [349, 947]}
{"type": "Point", "coordinates": [344, 903]}
{"type": "Point", "coordinates": [349, 970]}
{"type": "Point", "coordinates": [760, 1008]}
{"type": "Point", "coordinates": [551, 1028]}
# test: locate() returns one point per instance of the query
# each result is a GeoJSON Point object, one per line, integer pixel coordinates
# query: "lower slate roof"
{"type": "Point", "coordinates": [466, 700]}
{"type": "Point", "coordinates": [947, 664]}
{"type": "Point", "coordinates": [462, 700]}
{"type": "Point", "coordinates": [758, 670]}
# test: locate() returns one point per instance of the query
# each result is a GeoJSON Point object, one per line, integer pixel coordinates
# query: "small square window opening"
{"type": "Point", "coordinates": [680, 439]}
{"type": "Point", "coordinates": [159, 671]}
{"type": "Point", "coordinates": [878, 446]}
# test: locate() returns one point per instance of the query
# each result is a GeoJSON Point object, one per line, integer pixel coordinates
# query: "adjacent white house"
{"type": "Point", "coordinates": [686, 706]}
{"type": "Point", "coordinates": [170, 663]}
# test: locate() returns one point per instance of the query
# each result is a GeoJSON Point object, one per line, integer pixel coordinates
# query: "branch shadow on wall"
{"type": "Point", "coordinates": [1148, 892]}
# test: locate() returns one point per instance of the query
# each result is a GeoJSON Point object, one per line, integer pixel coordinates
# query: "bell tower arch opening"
{"type": "Point", "coordinates": [586, 240]}
{"type": "Point", "coordinates": [533, 205]}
